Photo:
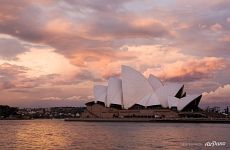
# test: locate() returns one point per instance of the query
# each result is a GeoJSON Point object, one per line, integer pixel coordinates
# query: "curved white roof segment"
{"type": "Point", "coordinates": [172, 88]}
{"type": "Point", "coordinates": [173, 101]}
{"type": "Point", "coordinates": [153, 100]}
{"type": "Point", "coordinates": [169, 89]}
{"type": "Point", "coordinates": [154, 82]}
{"type": "Point", "coordinates": [144, 100]}
{"type": "Point", "coordinates": [183, 102]}
{"type": "Point", "coordinates": [134, 86]}
{"type": "Point", "coordinates": [149, 100]}
{"type": "Point", "coordinates": [114, 91]}
{"type": "Point", "coordinates": [100, 93]}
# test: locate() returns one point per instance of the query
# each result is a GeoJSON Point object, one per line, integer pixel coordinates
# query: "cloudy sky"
{"type": "Point", "coordinates": [52, 52]}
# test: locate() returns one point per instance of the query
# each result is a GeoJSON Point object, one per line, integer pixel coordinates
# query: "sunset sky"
{"type": "Point", "coordinates": [52, 52]}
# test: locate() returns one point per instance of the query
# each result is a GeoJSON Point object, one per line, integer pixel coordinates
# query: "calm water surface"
{"type": "Point", "coordinates": [58, 134]}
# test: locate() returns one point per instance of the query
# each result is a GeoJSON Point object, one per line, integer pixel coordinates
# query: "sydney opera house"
{"type": "Point", "coordinates": [134, 96]}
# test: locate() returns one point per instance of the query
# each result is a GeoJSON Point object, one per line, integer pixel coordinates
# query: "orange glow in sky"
{"type": "Point", "coordinates": [56, 50]}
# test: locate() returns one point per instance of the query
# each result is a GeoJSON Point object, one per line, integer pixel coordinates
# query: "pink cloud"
{"type": "Point", "coordinates": [228, 20]}
{"type": "Point", "coordinates": [189, 70]}
{"type": "Point", "coordinates": [216, 27]}
{"type": "Point", "coordinates": [221, 94]}
{"type": "Point", "coordinates": [172, 42]}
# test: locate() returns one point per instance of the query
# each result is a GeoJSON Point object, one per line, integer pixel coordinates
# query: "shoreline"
{"type": "Point", "coordinates": [151, 120]}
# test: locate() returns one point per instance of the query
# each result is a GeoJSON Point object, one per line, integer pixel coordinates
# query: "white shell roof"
{"type": "Point", "coordinates": [149, 100]}
{"type": "Point", "coordinates": [114, 92]}
{"type": "Point", "coordinates": [183, 102]}
{"type": "Point", "coordinates": [144, 100]}
{"type": "Point", "coordinates": [134, 86]}
{"type": "Point", "coordinates": [172, 88]}
{"type": "Point", "coordinates": [154, 82]}
{"type": "Point", "coordinates": [100, 93]}
{"type": "Point", "coordinates": [169, 89]}
{"type": "Point", "coordinates": [153, 100]}
{"type": "Point", "coordinates": [173, 101]}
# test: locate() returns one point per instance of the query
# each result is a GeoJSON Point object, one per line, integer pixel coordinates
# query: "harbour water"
{"type": "Point", "coordinates": [58, 134]}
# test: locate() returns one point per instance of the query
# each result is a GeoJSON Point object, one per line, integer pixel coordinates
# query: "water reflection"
{"type": "Point", "coordinates": [57, 134]}
{"type": "Point", "coordinates": [41, 134]}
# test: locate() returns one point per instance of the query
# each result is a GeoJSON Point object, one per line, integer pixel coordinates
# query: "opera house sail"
{"type": "Point", "coordinates": [100, 93]}
{"type": "Point", "coordinates": [135, 95]}
{"type": "Point", "coordinates": [134, 87]}
{"type": "Point", "coordinates": [114, 92]}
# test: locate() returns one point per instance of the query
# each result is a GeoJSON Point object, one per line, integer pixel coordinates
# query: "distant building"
{"type": "Point", "coordinates": [133, 95]}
